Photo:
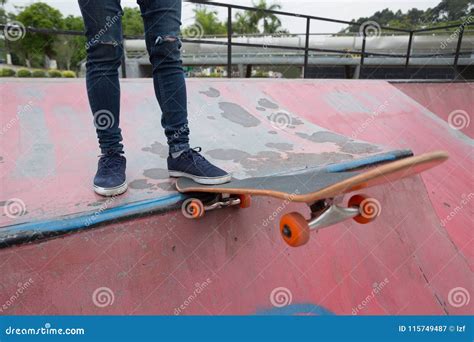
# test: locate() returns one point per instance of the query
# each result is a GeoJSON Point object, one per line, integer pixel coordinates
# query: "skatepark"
{"type": "Point", "coordinates": [71, 251]}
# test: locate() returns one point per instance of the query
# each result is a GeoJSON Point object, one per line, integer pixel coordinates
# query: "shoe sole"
{"type": "Point", "coordinates": [108, 192]}
{"type": "Point", "coordinates": [202, 180]}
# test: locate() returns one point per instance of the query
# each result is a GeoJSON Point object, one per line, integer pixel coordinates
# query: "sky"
{"type": "Point", "coordinates": [335, 9]}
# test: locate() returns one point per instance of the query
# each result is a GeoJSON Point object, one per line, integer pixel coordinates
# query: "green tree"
{"type": "Point", "coordinates": [3, 16]}
{"type": "Point", "coordinates": [415, 17]}
{"type": "Point", "coordinates": [3, 21]}
{"type": "Point", "coordinates": [35, 46]}
{"type": "Point", "coordinates": [450, 10]}
{"type": "Point", "coordinates": [132, 22]}
{"type": "Point", "coordinates": [271, 23]}
{"type": "Point", "coordinates": [445, 13]}
{"type": "Point", "coordinates": [249, 22]}
{"type": "Point", "coordinates": [70, 50]}
{"type": "Point", "coordinates": [206, 22]}
{"type": "Point", "coordinates": [245, 23]}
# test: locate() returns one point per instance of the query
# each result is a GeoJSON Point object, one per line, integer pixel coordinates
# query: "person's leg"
{"type": "Point", "coordinates": [103, 24]}
{"type": "Point", "coordinates": [162, 21]}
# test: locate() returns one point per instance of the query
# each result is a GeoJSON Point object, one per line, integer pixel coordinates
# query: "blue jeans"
{"type": "Point", "coordinates": [162, 21]}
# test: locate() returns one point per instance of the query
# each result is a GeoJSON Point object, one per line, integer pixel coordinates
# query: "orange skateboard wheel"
{"type": "Point", "coordinates": [194, 208]}
{"type": "Point", "coordinates": [294, 229]}
{"type": "Point", "coordinates": [369, 208]}
{"type": "Point", "coordinates": [245, 201]}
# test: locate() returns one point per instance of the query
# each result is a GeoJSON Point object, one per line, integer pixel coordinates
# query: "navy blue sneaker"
{"type": "Point", "coordinates": [191, 164]}
{"type": "Point", "coordinates": [110, 177]}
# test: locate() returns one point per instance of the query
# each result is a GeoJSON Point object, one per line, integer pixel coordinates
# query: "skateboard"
{"type": "Point", "coordinates": [321, 188]}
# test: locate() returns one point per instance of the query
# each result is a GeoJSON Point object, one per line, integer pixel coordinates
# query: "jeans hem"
{"type": "Point", "coordinates": [112, 150]}
{"type": "Point", "coordinates": [179, 147]}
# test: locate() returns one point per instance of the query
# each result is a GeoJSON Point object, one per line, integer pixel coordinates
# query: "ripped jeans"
{"type": "Point", "coordinates": [162, 21]}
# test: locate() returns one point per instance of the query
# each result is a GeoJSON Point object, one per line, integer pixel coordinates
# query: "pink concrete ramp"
{"type": "Point", "coordinates": [67, 251]}
{"type": "Point", "coordinates": [452, 102]}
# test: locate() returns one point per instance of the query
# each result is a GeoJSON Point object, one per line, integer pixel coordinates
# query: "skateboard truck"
{"type": "Point", "coordinates": [195, 208]}
{"type": "Point", "coordinates": [295, 229]}
{"type": "Point", "coordinates": [331, 213]}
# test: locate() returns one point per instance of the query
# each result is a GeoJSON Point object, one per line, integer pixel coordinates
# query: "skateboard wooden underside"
{"type": "Point", "coordinates": [311, 185]}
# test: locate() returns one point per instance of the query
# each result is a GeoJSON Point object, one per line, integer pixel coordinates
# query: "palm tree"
{"type": "Point", "coordinates": [244, 23]}
{"type": "Point", "coordinates": [271, 23]}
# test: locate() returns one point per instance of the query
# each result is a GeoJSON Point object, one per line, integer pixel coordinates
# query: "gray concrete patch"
{"type": "Point", "coordinates": [237, 114]}
{"type": "Point", "coordinates": [156, 173]}
{"type": "Point", "coordinates": [158, 149]}
{"type": "Point", "coordinates": [211, 92]}
{"type": "Point", "coordinates": [267, 104]}
{"type": "Point", "coordinates": [140, 184]}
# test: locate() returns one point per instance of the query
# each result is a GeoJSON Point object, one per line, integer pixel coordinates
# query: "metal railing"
{"type": "Point", "coordinates": [306, 49]}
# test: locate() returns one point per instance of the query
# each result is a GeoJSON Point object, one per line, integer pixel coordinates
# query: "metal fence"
{"type": "Point", "coordinates": [307, 49]}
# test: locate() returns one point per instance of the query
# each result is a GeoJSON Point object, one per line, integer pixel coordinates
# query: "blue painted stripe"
{"type": "Point", "coordinates": [353, 164]}
{"type": "Point", "coordinates": [90, 218]}
{"type": "Point", "coordinates": [296, 309]}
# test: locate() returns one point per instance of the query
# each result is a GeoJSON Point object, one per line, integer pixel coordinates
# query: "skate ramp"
{"type": "Point", "coordinates": [452, 102]}
{"type": "Point", "coordinates": [233, 261]}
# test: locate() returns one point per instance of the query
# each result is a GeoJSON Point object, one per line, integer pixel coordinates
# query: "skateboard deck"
{"type": "Point", "coordinates": [315, 186]}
